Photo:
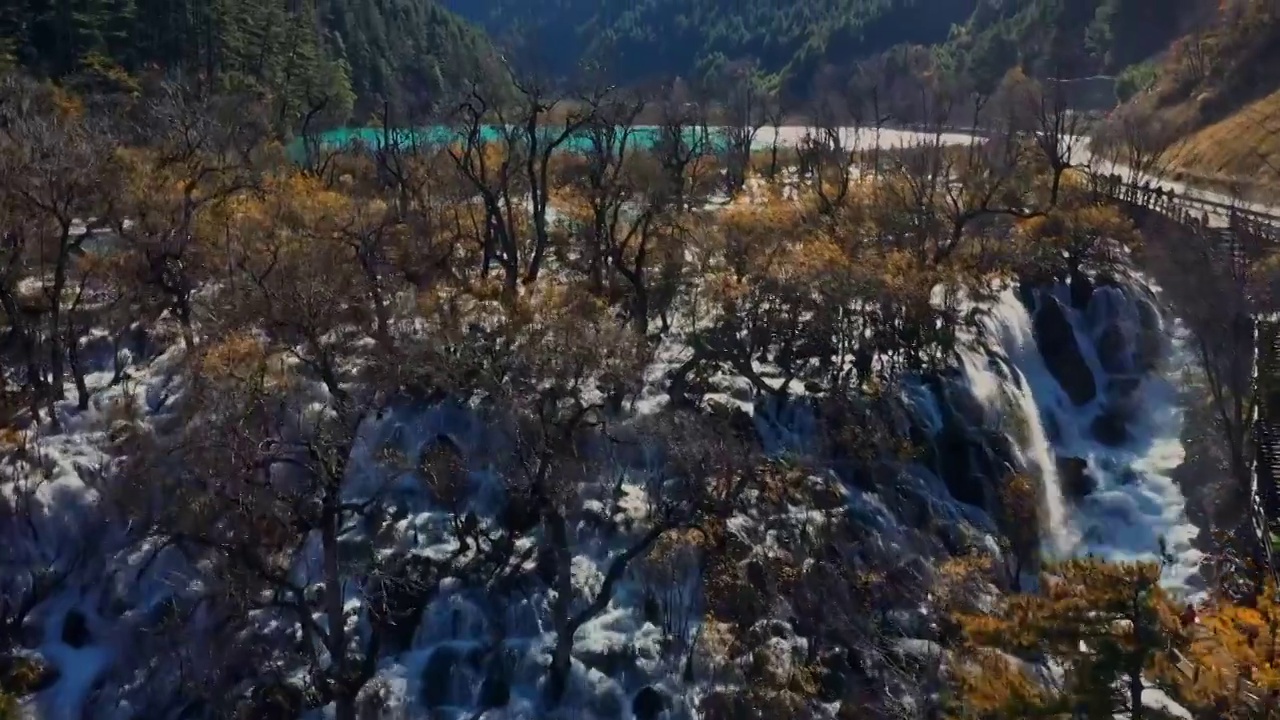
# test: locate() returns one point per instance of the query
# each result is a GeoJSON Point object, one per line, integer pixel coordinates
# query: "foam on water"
{"type": "Point", "coordinates": [1136, 507]}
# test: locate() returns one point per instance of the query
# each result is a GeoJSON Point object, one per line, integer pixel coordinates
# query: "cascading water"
{"type": "Point", "coordinates": [1009, 324]}
{"type": "Point", "coordinates": [1132, 508]}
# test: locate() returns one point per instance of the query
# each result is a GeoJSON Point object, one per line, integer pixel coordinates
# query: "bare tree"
{"type": "Point", "coordinates": [196, 155]}
{"type": "Point", "coordinates": [518, 164]}
{"type": "Point", "coordinates": [54, 163]}
{"type": "Point", "coordinates": [774, 114]}
{"type": "Point", "coordinates": [940, 191]}
{"type": "Point", "coordinates": [1054, 127]}
{"type": "Point", "coordinates": [834, 151]}
{"type": "Point", "coordinates": [608, 180]}
{"type": "Point", "coordinates": [1133, 150]}
{"type": "Point", "coordinates": [684, 147]}
{"type": "Point", "coordinates": [745, 113]}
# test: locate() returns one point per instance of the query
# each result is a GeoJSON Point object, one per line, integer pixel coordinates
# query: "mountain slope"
{"type": "Point", "coordinates": [636, 40]}
{"type": "Point", "coordinates": [1214, 96]}
{"type": "Point", "coordinates": [694, 38]}
{"type": "Point", "coordinates": [357, 53]}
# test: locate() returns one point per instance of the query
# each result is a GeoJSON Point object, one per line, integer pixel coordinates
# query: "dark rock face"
{"type": "Point", "coordinates": [1110, 428]}
{"type": "Point", "coordinates": [967, 458]}
{"type": "Point", "coordinates": [1057, 342]}
{"type": "Point", "coordinates": [1081, 290]}
{"type": "Point", "coordinates": [1077, 482]}
{"type": "Point", "coordinates": [956, 466]}
{"type": "Point", "coordinates": [1150, 341]}
{"type": "Point", "coordinates": [1113, 350]}
{"type": "Point", "coordinates": [277, 701]}
{"type": "Point", "coordinates": [495, 691]}
{"type": "Point", "coordinates": [437, 675]}
{"type": "Point", "coordinates": [75, 629]}
{"type": "Point", "coordinates": [648, 704]}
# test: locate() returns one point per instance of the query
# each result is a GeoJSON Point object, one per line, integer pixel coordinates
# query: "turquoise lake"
{"type": "Point", "coordinates": [642, 137]}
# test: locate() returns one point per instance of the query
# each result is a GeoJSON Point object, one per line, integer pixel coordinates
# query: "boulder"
{"type": "Point", "coordinates": [75, 629]}
{"type": "Point", "coordinates": [1110, 428]}
{"type": "Point", "coordinates": [1113, 350]}
{"type": "Point", "coordinates": [495, 691]}
{"type": "Point", "coordinates": [1150, 340]}
{"type": "Point", "coordinates": [437, 676]}
{"type": "Point", "coordinates": [648, 704]}
{"type": "Point", "coordinates": [1057, 342]}
{"type": "Point", "coordinates": [1123, 398]}
{"type": "Point", "coordinates": [1081, 290]}
{"type": "Point", "coordinates": [956, 467]}
{"type": "Point", "coordinates": [1076, 480]}
{"type": "Point", "coordinates": [611, 660]}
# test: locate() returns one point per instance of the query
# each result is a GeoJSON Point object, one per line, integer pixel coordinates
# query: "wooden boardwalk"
{"type": "Point", "coordinates": [1252, 696]}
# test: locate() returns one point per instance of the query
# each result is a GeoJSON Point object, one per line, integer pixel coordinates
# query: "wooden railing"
{"type": "Point", "coordinates": [1244, 690]}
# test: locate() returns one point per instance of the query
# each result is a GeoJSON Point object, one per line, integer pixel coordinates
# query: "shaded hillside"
{"type": "Point", "coordinates": [1056, 38]}
{"type": "Point", "coordinates": [694, 38]}
{"type": "Point", "coordinates": [355, 53]}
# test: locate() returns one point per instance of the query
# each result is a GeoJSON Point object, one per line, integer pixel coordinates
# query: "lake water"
{"type": "Point", "coordinates": [643, 137]}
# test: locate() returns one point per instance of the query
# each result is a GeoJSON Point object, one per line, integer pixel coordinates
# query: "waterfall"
{"type": "Point", "coordinates": [1132, 508]}
{"type": "Point", "coordinates": [1009, 324]}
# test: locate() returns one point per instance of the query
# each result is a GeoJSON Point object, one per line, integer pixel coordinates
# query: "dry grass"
{"type": "Point", "coordinates": [1243, 149]}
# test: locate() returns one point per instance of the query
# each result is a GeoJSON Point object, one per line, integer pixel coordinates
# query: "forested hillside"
{"type": "Point", "coordinates": [694, 38]}
{"type": "Point", "coordinates": [351, 54]}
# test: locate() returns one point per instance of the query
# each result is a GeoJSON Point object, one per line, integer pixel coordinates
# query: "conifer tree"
{"type": "Point", "coordinates": [1106, 626]}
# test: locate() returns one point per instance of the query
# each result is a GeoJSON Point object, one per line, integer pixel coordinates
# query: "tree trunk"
{"type": "Point", "coordinates": [35, 376]}
{"type": "Point", "coordinates": [77, 372]}
{"type": "Point", "coordinates": [343, 697]}
{"type": "Point", "coordinates": [562, 654]}
{"type": "Point", "coordinates": [1136, 711]}
{"type": "Point", "coordinates": [57, 360]}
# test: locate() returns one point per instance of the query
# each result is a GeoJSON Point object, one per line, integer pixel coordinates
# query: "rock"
{"type": "Point", "coordinates": [1076, 480]}
{"type": "Point", "coordinates": [1081, 290]}
{"type": "Point", "coordinates": [1110, 428]}
{"type": "Point", "coordinates": [721, 705]}
{"type": "Point", "coordinates": [1057, 342]}
{"type": "Point", "coordinates": [759, 578]}
{"type": "Point", "coordinates": [276, 701]}
{"type": "Point", "coordinates": [1150, 341]}
{"type": "Point", "coordinates": [739, 421]}
{"type": "Point", "coordinates": [606, 702]}
{"type": "Point", "coordinates": [955, 465]}
{"type": "Point", "coordinates": [611, 661]}
{"type": "Point", "coordinates": [648, 704]}
{"type": "Point", "coordinates": [1123, 388]}
{"type": "Point", "coordinates": [437, 676]}
{"type": "Point", "coordinates": [1123, 398]}
{"type": "Point", "coordinates": [1113, 350]}
{"type": "Point", "coordinates": [75, 629]}
{"type": "Point", "coordinates": [495, 691]}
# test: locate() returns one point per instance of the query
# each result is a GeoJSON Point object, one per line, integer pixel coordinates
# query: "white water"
{"type": "Point", "coordinates": [1010, 325]}
{"type": "Point", "coordinates": [1136, 505]}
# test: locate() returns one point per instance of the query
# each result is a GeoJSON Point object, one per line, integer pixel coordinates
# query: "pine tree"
{"type": "Point", "coordinates": [1105, 625]}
